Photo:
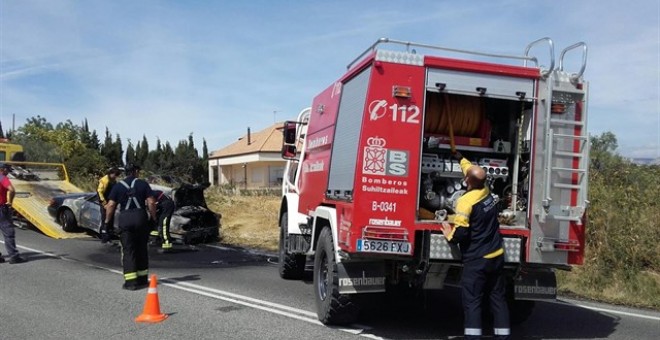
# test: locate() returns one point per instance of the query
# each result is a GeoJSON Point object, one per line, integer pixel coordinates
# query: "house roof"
{"type": "Point", "coordinates": [266, 140]}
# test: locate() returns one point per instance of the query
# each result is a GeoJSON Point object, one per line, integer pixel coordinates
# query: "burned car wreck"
{"type": "Point", "coordinates": [192, 222]}
{"type": "Point", "coordinates": [192, 218]}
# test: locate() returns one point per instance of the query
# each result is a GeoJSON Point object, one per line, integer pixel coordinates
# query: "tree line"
{"type": "Point", "coordinates": [85, 156]}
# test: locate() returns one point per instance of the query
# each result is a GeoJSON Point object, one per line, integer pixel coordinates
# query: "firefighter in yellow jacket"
{"type": "Point", "coordinates": [104, 188]}
{"type": "Point", "coordinates": [477, 232]}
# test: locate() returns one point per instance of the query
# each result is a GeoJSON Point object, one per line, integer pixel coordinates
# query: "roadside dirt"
{"type": "Point", "coordinates": [248, 221]}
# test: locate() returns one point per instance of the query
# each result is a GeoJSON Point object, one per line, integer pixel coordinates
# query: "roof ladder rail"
{"type": "Point", "coordinates": [566, 122]}
{"type": "Point", "coordinates": [550, 169]}
{"type": "Point", "coordinates": [568, 169]}
{"type": "Point", "coordinates": [568, 154]}
{"type": "Point", "coordinates": [567, 186]}
{"type": "Point", "coordinates": [558, 135]}
{"type": "Point", "coordinates": [566, 218]}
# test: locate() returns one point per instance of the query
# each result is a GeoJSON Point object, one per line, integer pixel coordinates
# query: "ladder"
{"type": "Point", "coordinates": [566, 146]}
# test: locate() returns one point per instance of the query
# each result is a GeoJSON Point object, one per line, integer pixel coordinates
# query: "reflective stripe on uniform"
{"type": "Point", "coordinates": [494, 254]}
{"type": "Point", "coordinates": [166, 245]}
{"type": "Point", "coordinates": [130, 276]}
{"type": "Point", "coordinates": [502, 331]}
{"type": "Point", "coordinates": [142, 272]}
{"type": "Point", "coordinates": [154, 233]}
{"type": "Point", "coordinates": [473, 331]}
{"type": "Point", "coordinates": [165, 232]}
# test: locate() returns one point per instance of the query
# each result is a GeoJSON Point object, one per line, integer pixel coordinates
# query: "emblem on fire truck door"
{"type": "Point", "coordinates": [381, 161]}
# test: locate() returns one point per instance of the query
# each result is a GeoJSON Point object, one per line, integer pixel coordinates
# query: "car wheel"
{"type": "Point", "coordinates": [68, 220]}
{"type": "Point", "coordinates": [331, 307]}
{"type": "Point", "coordinates": [291, 266]}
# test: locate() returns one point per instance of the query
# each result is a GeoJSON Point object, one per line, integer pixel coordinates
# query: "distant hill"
{"type": "Point", "coordinates": [645, 161]}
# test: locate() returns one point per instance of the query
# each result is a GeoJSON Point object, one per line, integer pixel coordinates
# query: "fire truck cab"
{"type": "Point", "coordinates": [370, 178]}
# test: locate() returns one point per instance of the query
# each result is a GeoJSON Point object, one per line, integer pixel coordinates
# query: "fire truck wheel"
{"type": "Point", "coordinates": [519, 310]}
{"type": "Point", "coordinates": [291, 266]}
{"type": "Point", "coordinates": [331, 307]}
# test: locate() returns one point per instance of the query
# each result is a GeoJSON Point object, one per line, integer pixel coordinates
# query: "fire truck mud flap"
{"type": "Point", "coordinates": [361, 277]}
{"type": "Point", "coordinates": [535, 285]}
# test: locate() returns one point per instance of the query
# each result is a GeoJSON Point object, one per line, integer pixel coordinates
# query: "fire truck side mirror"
{"type": "Point", "coordinates": [290, 133]}
{"type": "Point", "coordinates": [289, 143]}
{"type": "Point", "coordinates": [288, 152]}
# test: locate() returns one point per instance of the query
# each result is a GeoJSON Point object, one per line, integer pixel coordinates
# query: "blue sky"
{"type": "Point", "coordinates": [168, 68]}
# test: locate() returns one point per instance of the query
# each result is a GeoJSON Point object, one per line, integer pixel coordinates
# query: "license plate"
{"type": "Point", "coordinates": [378, 246]}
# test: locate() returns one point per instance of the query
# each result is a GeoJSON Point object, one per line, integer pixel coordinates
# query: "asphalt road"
{"type": "Point", "coordinates": [71, 289]}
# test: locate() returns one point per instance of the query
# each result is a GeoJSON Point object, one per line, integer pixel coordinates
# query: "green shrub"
{"type": "Point", "coordinates": [622, 259]}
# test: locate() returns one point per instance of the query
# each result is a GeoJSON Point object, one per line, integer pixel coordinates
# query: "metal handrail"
{"type": "Point", "coordinates": [575, 76]}
{"type": "Point", "coordinates": [408, 44]}
{"type": "Point", "coordinates": [552, 55]}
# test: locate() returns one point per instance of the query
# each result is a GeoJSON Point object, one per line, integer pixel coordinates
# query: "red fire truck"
{"type": "Point", "coordinates": [370, 178]}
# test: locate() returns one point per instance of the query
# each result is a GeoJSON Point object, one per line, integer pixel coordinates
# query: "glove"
{"type": "Point", "coordinates": [457, 155]}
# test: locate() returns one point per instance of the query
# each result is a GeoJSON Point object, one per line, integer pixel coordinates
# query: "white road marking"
{"type": "Point", "coordinates": [287, 311]}
{"type": "Point", "coordinates": [275, 308]}
{"type": "Point", "coordinates": [606, 310]}
{"type": "Point", "coordinates": [237, 296]}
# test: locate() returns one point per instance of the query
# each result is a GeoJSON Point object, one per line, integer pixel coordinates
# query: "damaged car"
{"type": "Point", "coordinates": [192, 221]}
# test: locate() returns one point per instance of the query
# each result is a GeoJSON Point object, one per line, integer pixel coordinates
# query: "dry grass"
{"type": "Point", "coordinates": [248, 221]}
{"type": "Point", "coordinates": [640, 290]}
{"type": "Point", "coordinates": [622, 258]}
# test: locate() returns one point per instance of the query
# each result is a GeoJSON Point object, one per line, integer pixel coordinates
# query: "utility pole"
{"type": "Point", "coordinates": [275, 116]}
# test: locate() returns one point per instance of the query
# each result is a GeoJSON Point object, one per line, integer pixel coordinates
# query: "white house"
{"type": "Point", "coordinates": [252, 162]}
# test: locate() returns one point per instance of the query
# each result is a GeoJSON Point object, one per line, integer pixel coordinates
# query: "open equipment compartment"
{"type": "Point", "coordinates": [491, 132]}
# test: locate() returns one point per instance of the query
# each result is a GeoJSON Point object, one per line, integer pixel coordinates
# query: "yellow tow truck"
{"type": "Point", "coordinates": [36, 183]}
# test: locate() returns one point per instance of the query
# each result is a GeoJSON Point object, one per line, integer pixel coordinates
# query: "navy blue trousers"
{"type": "Point", "coordinates": [483, 279]}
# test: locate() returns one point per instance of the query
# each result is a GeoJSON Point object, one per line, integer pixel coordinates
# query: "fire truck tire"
{"type": "Point", "coordinates": [519, 310]}
{"type": "Point", "coordinates": [332, 308]}
{"type": "Point", "coordinates": [291, 266]}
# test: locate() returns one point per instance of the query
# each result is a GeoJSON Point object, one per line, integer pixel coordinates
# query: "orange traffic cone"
{"type": "Point", "coordinates": [151, 312]}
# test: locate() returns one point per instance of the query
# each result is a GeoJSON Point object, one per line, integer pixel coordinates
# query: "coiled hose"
{"type": "Point", "coordinates": [464, 112]}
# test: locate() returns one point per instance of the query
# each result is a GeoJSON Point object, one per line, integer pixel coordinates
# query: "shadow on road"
{"type": "Point", "coordinates": [32, 256]}
{"type": "Point", "coordinates": [428, 315]}
{"type": "Point", "coordinates": [187, 278]}
{"type": "Point", "coordinates": [567, 321]}
{"type": "Point", "coordinates": [182, 257]}
{"type": "Point", "coordinates": [438, 314]}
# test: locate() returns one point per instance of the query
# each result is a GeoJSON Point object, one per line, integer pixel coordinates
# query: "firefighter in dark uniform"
{"type": "Point", "coordinates": [164, 210]}
{"type": "Point", "coordinates": [476, 231]}
{"type": "Point", "coordinates": [103, 190]}
{"type": "Point", "coordinates": [133, 197]}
